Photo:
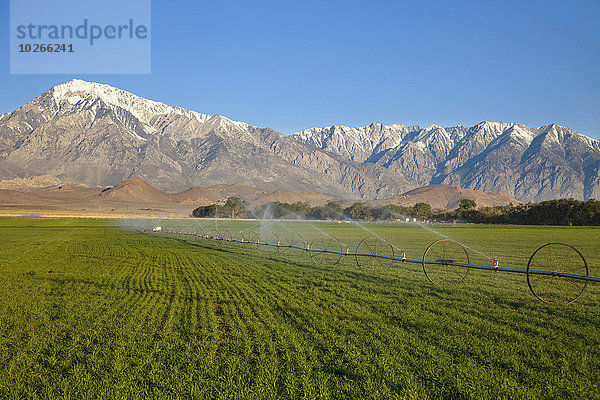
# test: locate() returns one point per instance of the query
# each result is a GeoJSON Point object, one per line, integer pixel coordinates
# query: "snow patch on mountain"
{"type": "Point", "coordinates": [77, 91]}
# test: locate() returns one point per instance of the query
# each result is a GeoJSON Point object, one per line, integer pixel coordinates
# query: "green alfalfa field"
{"type": "Point", "coordinates": [98, 309]}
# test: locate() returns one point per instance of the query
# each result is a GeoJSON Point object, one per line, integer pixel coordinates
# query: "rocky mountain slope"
{"type": "Point", "coordinates": [530, 164]}
{"type": "Point", "coordinates": [98, 135]}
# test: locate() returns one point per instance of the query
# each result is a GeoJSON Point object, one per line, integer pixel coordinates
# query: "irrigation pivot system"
{"type": "Point", "coordinates": [557, 273]}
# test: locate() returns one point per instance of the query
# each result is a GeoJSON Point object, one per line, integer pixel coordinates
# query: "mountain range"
{"type": "Point", "coordinates": [99, 135]}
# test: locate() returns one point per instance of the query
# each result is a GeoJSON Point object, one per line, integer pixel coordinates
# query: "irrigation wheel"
{"type": "Point", "coordinates": [444, 253]}
{"type": "Point", "coordinates": [267, 242]}
{"type": "Point", "coordinates": [291, 243]}
{"type": "Point", "coordinates": [556, 258]}
{"type": "Point", "coordinates": [326, 251]}
{"type": "Point", "coordinates": [371, 254]}
{"type": "Point", "coordinates": [225, 237]}
{"type": "Point", "coordinates": [182, 230]}
{"type": "Point", "coordinates": [198, 231]}
{"type": "Point", "coordinates": [211, 234]}
{"type": "Point", "coordinates": [250, 236]}
{"type": "Point", "coordinates": [237, 237]}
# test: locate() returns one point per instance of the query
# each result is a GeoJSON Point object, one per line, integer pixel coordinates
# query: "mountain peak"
{"type": "Point", "coordinates": [80, 86]}
{"type": "Point", "coordinates": [76, 91]}
{"type": "Point", "coordinates": [80, 93]}
{"type": "Point", "coordinates": [81, 83]}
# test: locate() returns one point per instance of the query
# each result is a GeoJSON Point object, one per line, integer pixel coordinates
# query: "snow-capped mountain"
{"type": "Point", "coordinates": [526, 163]}
{"type": "Point", "coordinates": [100, 135]}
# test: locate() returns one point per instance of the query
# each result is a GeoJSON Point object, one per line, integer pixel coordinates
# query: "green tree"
{"type": "Point", "coordinates": [279, 209]}
{"type": "Point", "coordinates": [467, 204]}
{"type": "Point", "coordinates": [300, 209]}
{"type": "Point", "coordinates": [333, 210]}
{"type": "Point", "coordinates": [398, 211]}
{"type": "Point", "coordinates": [235, 206]}
{"type": "Point", "coordinates": [422, 210]}
{"type": "Point", "coordinates": [205, 211]}
{"type": "Point", "coordinates": [317, 213]}
{"type": "Point", "coordinates": [382, 214]}
{"type": "Point", "coordinates": [359, 211]}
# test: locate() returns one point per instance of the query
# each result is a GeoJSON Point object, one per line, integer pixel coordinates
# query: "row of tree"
{"type": "Point", "coordinates": [552, 212]}
{"type": "Point", "coordinates": [234, 207]}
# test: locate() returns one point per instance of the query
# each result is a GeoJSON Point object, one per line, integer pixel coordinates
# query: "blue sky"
{"type": "Point", "coordinates": [291, 65]}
